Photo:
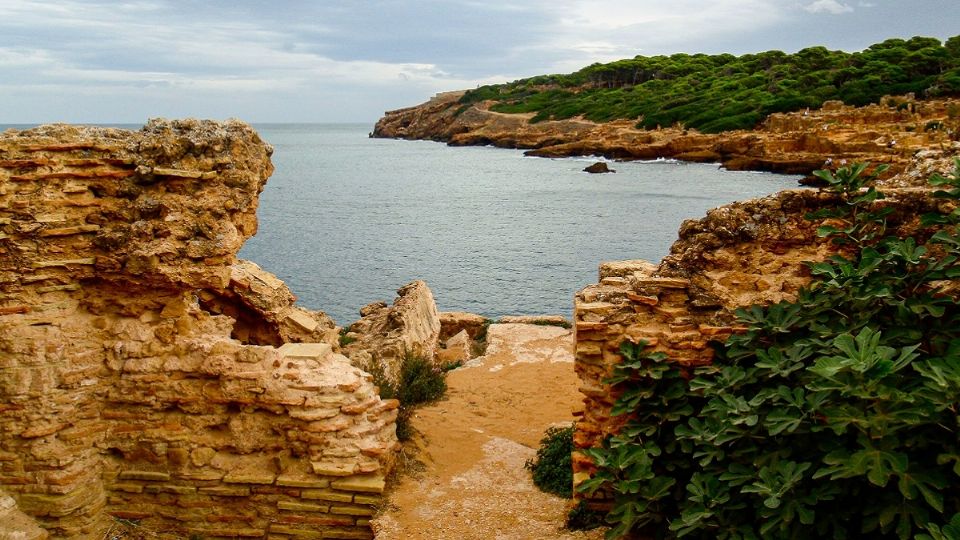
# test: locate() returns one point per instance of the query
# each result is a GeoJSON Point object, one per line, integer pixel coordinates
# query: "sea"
{"type": "Point", "coordinates": [346, 220]}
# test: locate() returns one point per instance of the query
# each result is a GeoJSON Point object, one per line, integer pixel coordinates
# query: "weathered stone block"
{"type": "Point", "coordinates": [249, 478]}
{"type": "Point", "coordinates": [302, 482]}
{"type": "Point", "coordinates": [361, 484]}
{"type": "Point", "coordinates": [367, 499]}
{"type": "Point", "coordinates": [150, 476]}
{"type": "Point", "coordinates": [355, 534]}
{"type": "Point", "coordinates": [303, 507]}
{"type": "Point", "coordinates": [224, 491]}
{"type": "Point", "coordinates": [313, 351]}
{"type": "Point", "coordinates": [325, 495]}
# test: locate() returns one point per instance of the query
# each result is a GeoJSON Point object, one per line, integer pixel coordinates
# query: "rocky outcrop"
{"type": "Point", "coordinates": [793, 143]}
{"type": "Point", "coordinates": [598, 167]}
{"type": "Point", "coordinates": [140, 372]}
{"type": "Point", "coordinates": [385, 335]}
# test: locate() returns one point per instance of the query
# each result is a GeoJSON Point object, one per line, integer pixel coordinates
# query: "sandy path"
{"type": "Point", "coordinates": [477, 439]}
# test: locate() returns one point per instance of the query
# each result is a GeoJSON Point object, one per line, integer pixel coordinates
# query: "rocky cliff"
{"type": "Point", "coordinates": [795, 143]}
{"type": "Point", "coordinates": [146, 373]}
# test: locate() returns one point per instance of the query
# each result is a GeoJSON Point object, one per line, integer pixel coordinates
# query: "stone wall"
{"type": "Point", "coordinates": [145, 373]}
{"type": "Point", "coordinates": [741, 254]}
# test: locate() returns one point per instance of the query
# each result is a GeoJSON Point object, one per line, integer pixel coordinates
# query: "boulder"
{"type": "Point", "coordinates": [457, 349]}
{"type": "Point", "coordinates": [599, 167]}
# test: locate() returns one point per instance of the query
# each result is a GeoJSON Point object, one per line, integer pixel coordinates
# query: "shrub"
{"type": "Point", "coordinates": [552, 469]}
{"type": "Point", "coordinates": [344, 338]}
{"type": "Point", "coordinates": [419, 382]}
{"type": "Point", "coordinates": [832, 416]}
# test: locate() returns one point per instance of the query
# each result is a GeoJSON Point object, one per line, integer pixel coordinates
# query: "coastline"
{"type": "Point", "coordinates": [786, 143]}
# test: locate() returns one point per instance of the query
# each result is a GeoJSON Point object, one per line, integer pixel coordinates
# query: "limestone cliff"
{"type": "Point", "coordinates": [795, 143]}
{"type": "Point", "coordinates": [145, 373]}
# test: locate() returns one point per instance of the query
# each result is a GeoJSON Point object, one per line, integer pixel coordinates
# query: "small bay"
{"type": "Point", "coordinates": [346, 220]}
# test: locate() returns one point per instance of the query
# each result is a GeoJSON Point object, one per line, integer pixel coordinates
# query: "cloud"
{"type": "Point", "coordinates": [828, 6]}
{"type": "Point", "coordinates": [84, 59]}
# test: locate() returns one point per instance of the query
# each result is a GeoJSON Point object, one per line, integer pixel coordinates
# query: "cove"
{"type": "Point", "coordinates": [345, 220]}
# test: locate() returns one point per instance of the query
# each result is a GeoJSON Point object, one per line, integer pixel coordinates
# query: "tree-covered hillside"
{"type": "Point", "coordinates": [721, 92]}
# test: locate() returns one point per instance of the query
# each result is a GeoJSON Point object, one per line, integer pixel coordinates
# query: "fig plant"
{"type": "Point", "coordinates": [832, 416]}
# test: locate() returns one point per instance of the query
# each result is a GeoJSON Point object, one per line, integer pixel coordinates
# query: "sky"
{"type": "Point", "coordinates": [351, 60]}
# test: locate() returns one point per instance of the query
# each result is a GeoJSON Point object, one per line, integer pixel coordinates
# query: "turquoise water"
{"type": "Point", "coordinates": [346, 220]}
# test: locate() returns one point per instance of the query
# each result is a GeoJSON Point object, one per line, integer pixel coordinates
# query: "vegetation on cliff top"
{"type": "Point", "coordinates": [834, 416]}
{"type": "Point", "coordinates": [721, 92]}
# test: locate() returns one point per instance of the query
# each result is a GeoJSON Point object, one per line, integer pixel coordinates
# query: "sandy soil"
{"type": "Point", "coordinates": [470, 482]}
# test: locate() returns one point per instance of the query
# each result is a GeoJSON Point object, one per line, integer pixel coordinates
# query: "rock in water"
{"type": "Point", "coordinates": [599, 167]}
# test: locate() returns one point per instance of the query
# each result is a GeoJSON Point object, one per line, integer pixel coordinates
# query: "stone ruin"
{"type": "Point", "coordinates": [741, 254]}
{"type": "Point", "coordinates": [146, 374]}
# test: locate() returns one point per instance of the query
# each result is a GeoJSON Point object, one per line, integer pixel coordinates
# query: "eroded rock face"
{"type": "Point", "coordinates": [123, 391]}
{"type": "Point", "coordinates": [385, 334]}
{"type": "Point", "coordinates": [791, 143]}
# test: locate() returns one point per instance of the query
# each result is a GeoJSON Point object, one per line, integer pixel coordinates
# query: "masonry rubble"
{"type": "Point", "coordinates": [145, 373]}
{"type": "Point", "coordinates": [385, 335]}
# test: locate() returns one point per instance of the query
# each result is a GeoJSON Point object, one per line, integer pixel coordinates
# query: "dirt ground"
{"type": "Point", "coordinates": [465, 477]}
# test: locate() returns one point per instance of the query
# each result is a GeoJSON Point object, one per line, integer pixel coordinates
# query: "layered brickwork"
{"type": "Point", "coordinates": [741, 254]}
{"type": "Point", "coordinates": [263, 307]}
{"type": "Point", "coordinates": [123, 391]}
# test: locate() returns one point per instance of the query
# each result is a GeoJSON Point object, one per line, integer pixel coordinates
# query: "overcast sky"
{"type": "Point", "coordinates": [349, 60]}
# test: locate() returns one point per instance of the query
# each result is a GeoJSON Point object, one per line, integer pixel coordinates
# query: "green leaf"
{"type": "Point", "coordinates": [781, 420]}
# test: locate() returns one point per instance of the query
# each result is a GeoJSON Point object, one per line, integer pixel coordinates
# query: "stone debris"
{"type": "Point", "coordinates": [546, 320]}
{"type": "Point", "coordinates": [456, 350]}
{"type": "Point", "coordinates": [452, 322]}
{"type": "Point", "coordinates": [386, 334]}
